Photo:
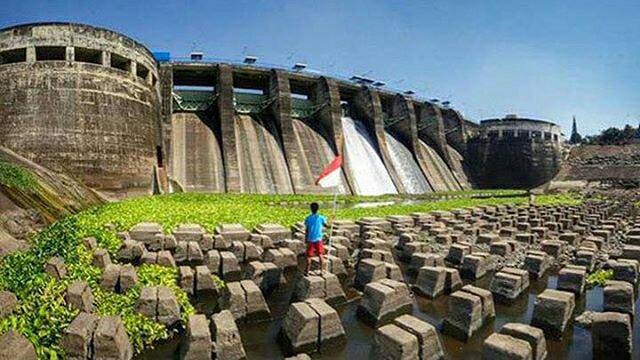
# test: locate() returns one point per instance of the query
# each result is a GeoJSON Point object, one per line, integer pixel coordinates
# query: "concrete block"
{"type": "Point", "coordinates": [331, 329]}
{"type": "Point", "coordinates": [430, 281]}
{"type": "Point", "coordinates": [474, 267]}
{"type": "Point", "coordinates": [506, 287]}
{"type": "Point", "coordinates": [530, 334]}
{"type": "Point", "coordinates": [611, 336]}
{"type": "Point", "coordinates": [619, 297]}
{"type": "Point", "coordinates": [101, 258]}
{"type": "Point", "coordinates": [55, 267]}
{"type": "Point", "coordinates": [110, 340]}
{"type": "Point", "coordinates": [384, 300]}
{"type": "Point", "coordinates": [552, 311]}
{"type": "Point", "coordinates": [226, 337]}
{"type": "Point", "coordinates": [452, 280]}
{"type": "Point", "coordinates": [79, 296]}
{"type": "Point", "coordinates": [464, 315]}
{"type": "Point", "coordinates": [369, 270]}
{"type": "Point", "coordinates": [16, 347]}
{"type": "Point", "coordinates": [500, 346]}
{"type": "Point", "coordinates": [488, 308]}
{"type": "Point", "coordinates": [187, 280]}
{"type": "Point", "coordinates": [572, 279]}
{"type": "Point", "coordinates": [197, 343]}
{"type": "Point", "coordinates": [429, 344]}
{"type": "Point", "coordinates": [392, 342]}
{"type": "Point", "coordinates": [77, 338]}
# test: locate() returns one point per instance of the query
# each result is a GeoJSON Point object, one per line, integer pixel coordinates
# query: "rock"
{"type": "Point", "coordinates": [198, 340]}
{"type": "Point", "coordinates": [110, 340]}
{"type": "Point", "coordinates": [147, 303]}
{"type": "Point", "coordinates": [203, 280]}
{"type": "Point", "coordinates": [213, 261]}
{"type": "Point", "coordinates": [537, 263]}
{"type": "Point", "coordinates": [585, 319]}
{"type": "Point", "coordinates": [194, 253]}
{"type": "Point", "coordinates": [369, 270]}
{"type": "Point", "coordinates": [187, 280]}
{"type": "Point", "coordinates": [206, 243]}
{"type": "Point", "coordinates": [611, 336]}
{"type": "Point", "coordinates": [500, 346]}
{"type": "Point", "coordinates": [300, 328]}
{"type": "Point", "coordinates": [181, 253]}
{"type": "Point", "coordinates": [55, 267]}
{"type": "Point", "coordinates": [165, 259]}
{"type": "Point", "coordinates": [457, 253]}
{"type": "Point", "coordinates": [488, 308]}
{"type": "Point", "coordinates": [430, 281]}
{"type": "Point", "coordinates": [168, 307]}
{"type": "Point", "coordinates": [145, 232]}
{"type": "Point", "coordinates": [188, 232]}
{"type": "Point", "coordinates": [552, 311]}
{"type": "Point", "coordinates": [233, 232]}
{"type": "Point", "coordinates": [392, 342]}
{"type": "Point", "coordinates": [474, 267]}
{"type": "Point", "coordinates": [128, 278]}
{"type": "Point", "coordinates": [530, 334]}
{"type": "Point", "coordinates": [384, 300]}
{"type": "Point", "coordinates": [276, 232]}
{"type": "Point", "coordinates": [572, 279]}
{"type": "Point", "coordinates": [501, 248]}
{"type": "Point", "coordinates": [452, 280]}
{"type": "Point", "coordinates": [16, 347]}
{"type": "Point", "coordinates": [464, 315]}
{"type": "Point", "coordinates": [90, 243]}
{"type": "Point", "coordinates": [523, 274]}
{"type": "Point", "coordinates": [429, 345]}
{"type": "Point", "coordinates": [331, 330]}
{"type": "Point", "coordinates": [245, 301]}
{"type": "Point", "coordinates": [619, 297]}
{"type": "Point", "coordinates": [229, 267]}
{"type": "Point", "coordinates": [79, 296]}
{"type": "Point", "coordinates": [326, 286]}
{"type": "Point", "coordinates": [8, 303]}
{"type": "Point", "coordinates": [149, 257]}
{"type": "Point", "coordinates": [101, 258]}
{"type": "Point", "coordinates": [77, 338]}
{"type": "Point", "coordinates": [506, 287]}
{"type": "Point", "coordinates": [226, 337]}
{"type": "Point", "coordinates": [110, 278]}
{"type": "Point", "coordinates": [130, 251]}
{"type": "Point", "coordinates": [626, 270]}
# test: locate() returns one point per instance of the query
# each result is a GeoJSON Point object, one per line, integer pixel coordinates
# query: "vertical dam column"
{"type": "Point", "coordinates": [226, 112]}
{"type": "Point", "coordinates": [402, 141]}
{"type": "Point", "coordinates": [431, 129]}
{"type": "Point", "coordinates": [281, 109]}
{"type": "Point", "coordinates": [369, 110]}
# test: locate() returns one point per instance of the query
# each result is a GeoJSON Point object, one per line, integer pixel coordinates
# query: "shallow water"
{"type": "Point", "coordinates": [261, 339]}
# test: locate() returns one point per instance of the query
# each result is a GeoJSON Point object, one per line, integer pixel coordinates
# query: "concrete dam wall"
{"type": "Point", "coordinates": [98, 105]}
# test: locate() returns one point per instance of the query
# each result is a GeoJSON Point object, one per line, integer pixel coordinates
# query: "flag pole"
{"type": "Point", "coordinates": [333, 216]}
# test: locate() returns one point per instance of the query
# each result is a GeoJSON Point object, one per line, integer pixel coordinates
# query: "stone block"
{"type": "Point", "coordinates": [500, 346]}
{"type": "Point", "coordinates": [536, 264]}
{"type": "Point", "coordinates": [392, 342]}
{"type": "Point", "coordinates": [8, 303]}
{"type": "Point", "coordinates": [430, 281]}
{"type": "Point", "coordinates": [501, 248]}
{"type": "Point", "coordinates": [369, 270]}
{"type": "Point", "coordinates": [552, 311]}
{"type": "Point", "coordinates": [474, 267]}
{"type": "Point", "coordinates": [194, 253]}
{"type": "Point", "coordinates": [130, 251]}
{"type": "Point", "coordinates": [631, 252]}
{"type": "Point", "coordinates": [16, 347]}
{"type": "Point", "coordinates": [168, 308]}
{"type": "Point", "coordinates": [530, 334]}
{"type": "Point", "coordinates": [300, 328]}
{"type": "Point", "coordinates": [109, 280]}
{"type": "Point", "coordinates": [181, 253]}
{"type": "Point", "coordinates": [625, 270]}
{"type": "Point", "coordinates": [464, 315]}
{"type": "Point", "coordinates": [488, 308]}
{"type": "Point", "coordinates": [233, 299]}
{"type": "Point", "coordinates": [55, 267]}
{"type": "Point", "coordinates": [553, 248]}
{"type": "Point", "coordinates": [383, 300]}
{"type": "Point", "coordinates": [523, 274]}
{"type": "Point", "coordinates": [276, 232]}
{"type": "Point", "coordinates": [188, 232]}
{"type": "Point", "coordinates": [149, 257]}
{"type": "Point", "coordinates": [572, 279]}
{"type": "Point", "coordinates": [90, 243]}
{"type": "Point", "coordinates": [197, 343]}
{"type": "Point", "coordinates": [256, 306]}
{"type": "Point", "coordinates": [611, 336]}
{"type": "Point", "coordinates": [586, 258]}
{"type": "Point", "coordinates": [101, 258]}
{"type": "Point", "coordinates": [619, 297]}
{"type": "Point", "coordinates": [204, 280]}
{"type": "Point", "coordinates": [147, 303]}
{"type": "Point", "coordinates": [331, 331]}
{"type": "Point", "coordinates": [77, 338]}
{"type": "Point", "coordinates": [527, 238]}
{"type": "Point", "coordinates": [229, 267]}
{"type": "Point", "coordinates": [186, 279]}
{"type": "Point", "coordinates": [145, 232]}
{"type": "Point", "coordinates": [226, 337]}
{"type": "Point", "coordinates": [165, 259]}
{"type": "Point", "coordinates": [128, 278]}
{"type": "Point", "coordinates": [110, 340]}
{"type": "Point", "coordinates": [233, 232]}
{"type": "Point", "coordinates": [429, 345]}
{"type": "Point", "coordinates": [506, 287]}
{"type": "Point", "coordinates": [457, 253]}
{"type": "Point", "coordinates": [452, 280]}
{"type": "Point", "coordinates": [79, 296]}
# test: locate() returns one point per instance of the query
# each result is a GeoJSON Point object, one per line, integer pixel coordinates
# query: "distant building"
{"type": "Point", "coordinates": [575, 137]}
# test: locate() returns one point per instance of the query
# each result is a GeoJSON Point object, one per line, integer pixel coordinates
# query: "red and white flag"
{"type": "Point", "coordinates": [330, 176]}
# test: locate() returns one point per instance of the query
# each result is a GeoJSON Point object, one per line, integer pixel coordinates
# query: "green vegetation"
{"type": "Point", "coordinates": [600, 277]}
{"type": "Point", "coordinates": [43, 314]}
{"type": "Point", "coordinates": [15, 176]}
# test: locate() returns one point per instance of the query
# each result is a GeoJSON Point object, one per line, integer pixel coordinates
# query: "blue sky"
{"type": "Point", "coordinates": [542, 59]}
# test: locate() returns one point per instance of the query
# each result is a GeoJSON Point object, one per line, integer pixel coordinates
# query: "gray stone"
{"type": "Point", "coordinates": [626, 270]}
{"type": "Point", "coordinates": [198, 340]}
{"type": "Point", "coordinates": [429, 345]}
{"type": "Point", "coordinates": [552, 311]}
{"type": "Point", "coordinates": [213, 261]}
{"type": "Point", "coordinates": [130, 251]}
{"type": "Point", "coordinates": [506, 287]}
{"type": "Point", "coordinates": [530, 334]}
{"type": "Point", "coordinates": [611, 336]}
{"type": "Point", "coordinates": [229, 267]}
{"type": "Point", "coordinates": [233, 232]}
{"type": "Point", "coordinates": [110, 278]}
{"type": "Point", "coordinates": [187, 280]}
{"type": "Point", "coordinates": [523, 274]}
{"type": "Point", "coordinates": [181, 253]}
{"type": "Point", "coordinates": [226, 337]}
{"type": "Point", "coordinates": [206, 243]}
{"type": "Point", "coordinates": [369, 270]}
{"type": "Point", "coordinates": [77, 338]}
{"type": "Point", "coordinates": [536, 263]}
{"type": "Point", "coordinates": [101, 258]}
{"type": "Point", "coordinates": [619, 297]}
{"type": "Point", "coordinates": [16, 347]}
{"type": "Point", "coordinates": [572, 279]}
{"type": "Point", "coordinates": [300, 328]}
{"type": "Point", "coordinates": [430, 281]}
{"type": "Point", "coordinates": [8, 303]}
{"type": "Point", "coordinates": [90, 243]}
{"type": "Point", "coordinates": [384, 300]}
{"type": "Point", "coordinates": [165, 259]}
{"type": "Point", "coordinates": [474, 267]}
{"type": "Point", "coordinates": [505, 347]}
{"type": "Point", "coordinates": [149, 257]}
{"type": "Point", "coordinates": [488, 308]}
{"type": "Point", "coordinates": [145, 232]}
{"type": "Point", "coordinates": [188, 232]}
{"type": "Point", "coordinates": [147, 303]}
{"type": "Point", "coordinates": [331, 329]}
{"type": "Point", "coordinates": [457, 253]}
{"type": "Point", "coordinates": [110, 340]}
{"type": "Point", "coordinates": [128, 278]}
{"type": "Point", "coordinates": [452, 280]}
{"type": "Point", "coordinates": [79, 296]}
{"type": "Point", "coordinates": [55, 267]}
{"type": "Point", "coordinates": [464, 315]}
{"type": "Point", "coordinates": [392, 342]}
{"type": "Point", "coordinates": [203, 279]}
{"type": "Point", "coordinates": [168, 307]}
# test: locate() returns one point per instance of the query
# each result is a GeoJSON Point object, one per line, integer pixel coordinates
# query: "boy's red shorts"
{"type": "Point", "coordinates": [315, 248]}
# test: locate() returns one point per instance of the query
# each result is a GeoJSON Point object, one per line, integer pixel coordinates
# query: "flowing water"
{"type": "Point", "coordinates": [261, 161]}
{"type": "Point", "coordinates": [316, 154]}
{"type": "Point", "coordinates": [369, 173]}
{"type": "Point", "coordinates": [196, 159]}
{"type": "Point", "coordinates": [440, 176]}
{"type": "Point", "coordinates": [408, 170]}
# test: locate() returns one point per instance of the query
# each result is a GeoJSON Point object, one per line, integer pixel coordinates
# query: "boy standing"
{"type": "Point", "coordinates": [314, 226]}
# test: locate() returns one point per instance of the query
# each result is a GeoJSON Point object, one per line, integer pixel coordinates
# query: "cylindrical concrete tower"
{"type": "Point", "coordinates": [82, 100]}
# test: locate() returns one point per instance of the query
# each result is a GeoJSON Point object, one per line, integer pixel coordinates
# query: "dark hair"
{"type": "Point", "coordinates": [314, 207]}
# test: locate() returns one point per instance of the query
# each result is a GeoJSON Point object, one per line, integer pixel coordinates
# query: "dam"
{"type": "Point", "coordinates": [103, 108]}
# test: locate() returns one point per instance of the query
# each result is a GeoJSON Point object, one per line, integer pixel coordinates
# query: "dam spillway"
{"type": "Point", "coordinates": [408, 170]}
{"type": "Point", "coordinates": [263, 168]}
{"type": "Point", "coordinates": [369, 173]}
{"type": "Point", "coordinates": [105, 109]}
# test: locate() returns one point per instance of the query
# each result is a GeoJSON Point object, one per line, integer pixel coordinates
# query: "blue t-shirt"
{"type": "Point", "coordinates": [315, 223]}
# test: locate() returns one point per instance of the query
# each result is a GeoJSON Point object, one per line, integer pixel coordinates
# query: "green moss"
{"type": "Point", "coordinates": [15, 176]}
{"type": "Point", "coordinates": [600, 277]}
